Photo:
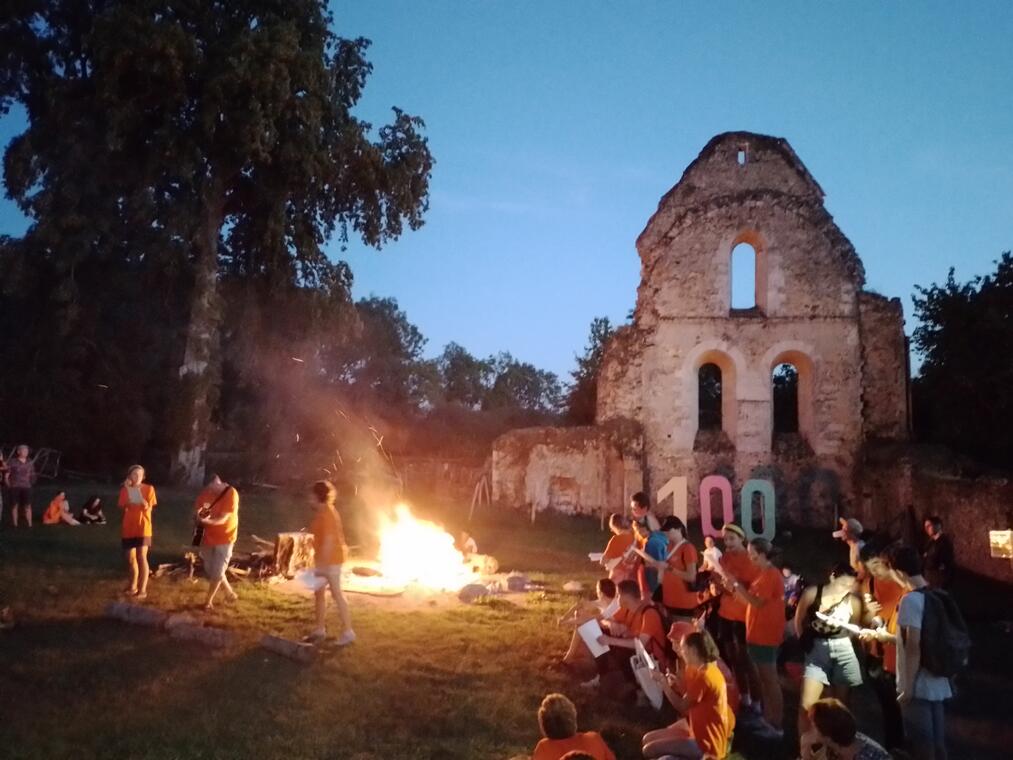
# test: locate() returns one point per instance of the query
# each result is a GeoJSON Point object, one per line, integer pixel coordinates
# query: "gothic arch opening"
{"type": "Point", "coordinates": [747, 268]}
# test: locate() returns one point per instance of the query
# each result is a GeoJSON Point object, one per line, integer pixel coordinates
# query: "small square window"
{"type": "Point", "coordinates": [742, 156]}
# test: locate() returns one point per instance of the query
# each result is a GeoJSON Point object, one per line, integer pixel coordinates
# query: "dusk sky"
{"type": "Point", "coordinates": [557, 127]}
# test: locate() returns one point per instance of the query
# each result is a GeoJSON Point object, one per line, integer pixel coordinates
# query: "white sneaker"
{"type": "Point", "coordinates": [316, 637]}
{"type": "Point", "coordinates": [592, 684]}
{"type": "Point", "coordinates": [346, 638]}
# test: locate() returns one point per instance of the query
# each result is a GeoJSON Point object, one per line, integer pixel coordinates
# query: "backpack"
{"type": "Point", "coordinates": [945, 641]}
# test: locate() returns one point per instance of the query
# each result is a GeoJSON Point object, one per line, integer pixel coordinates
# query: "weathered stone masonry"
{"type": "Point", "coordinates": [811, 311]}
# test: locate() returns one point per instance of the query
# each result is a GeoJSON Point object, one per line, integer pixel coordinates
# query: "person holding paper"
{"type": "Point", "coordinates": [603, 607]}
{"type": "Point", "coordinates": [619, 558]}
{"type": "Point", "coordinates": [701, 694]}
{"type": "Point", "coordinates": [678, 571]}
{"type": "Point", "coordinates": [830, 660]}
{"type": "Point", "coordinates": [765, 628]}
{"type": "Point", "coordinates": [642, 622]}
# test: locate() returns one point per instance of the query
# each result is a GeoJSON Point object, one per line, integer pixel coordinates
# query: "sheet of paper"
{"type": "Point", "coordinates": [647, 683]}
{"type": "Point", "coordinates": [589, 633]}
{"type": "Point", "coordinates": [850, 627]}
{"type": "Point", "coordinates": [644, 655]}
{"type": "Point", "coordinates": [610, 609]}
{"type": "Point", "coordinates": [595, 556]}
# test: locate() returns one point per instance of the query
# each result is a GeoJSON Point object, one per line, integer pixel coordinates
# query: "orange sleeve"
{"type": "Point", "coordinates": [123, 500]}
{"type": "Point", "coordinates": [615, 547]}
{"type": "Point", "coordinates": [150, 496]}
{"type": "Point", "coordinates": [693, 684]}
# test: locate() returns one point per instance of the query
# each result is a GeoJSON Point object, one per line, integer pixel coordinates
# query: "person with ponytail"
{"type": "Point", "coordinates": [330, 552]}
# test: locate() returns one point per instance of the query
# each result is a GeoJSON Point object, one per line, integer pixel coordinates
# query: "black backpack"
{"type": "Point", "coordinates": [945, 640]}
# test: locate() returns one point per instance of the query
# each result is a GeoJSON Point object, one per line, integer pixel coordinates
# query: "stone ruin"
{"type": "Point", "coordinates": [810, 310]}
{"type": "Point", "coordinates": [846, 449]}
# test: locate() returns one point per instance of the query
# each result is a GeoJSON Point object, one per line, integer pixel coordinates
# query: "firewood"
{"type": "Point", "coordinates": [294, 650]}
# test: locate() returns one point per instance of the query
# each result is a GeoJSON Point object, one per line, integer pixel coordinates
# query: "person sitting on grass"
{"type": "Point", "coordinates": [557, 720]}
{"type": "Point", "coordinates": [603, 607]}
{"type": "Point", "coordinates": [330, 552]}
{"type": "Point", "coordinates": [639, 620]}
{"type": "Point", "coordinates": [700, 692]}
{"type": "Point", "coordinates": [91, 512]}
{"type": "Point", "coordinates": [833, 734]}
{"type": "Point", "coordinates": [58, 511]}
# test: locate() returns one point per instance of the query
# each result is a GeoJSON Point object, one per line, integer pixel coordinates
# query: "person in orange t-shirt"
{"type": "Point", "coordinates": [330, 553]}
{"type": "Point", "coordinates": [736, 565]}
{"type": "Point", "coordinates": [619, 558]}
{"type": "Point", "coordinates": [557, 720]}
{"type": "Point", "coordinates": [678, 571]}
{"type": "Point", "coordinates": [886, 594]}
{"type": "Point", "coordinates": [708, 698]}
{"type": "Point", "coordinates": [765, 627]}
{"type": "Point", "coordinates": [217, 510]}
{"type": "Point", "coordinates": [58, 511]}
{"type": "Point", "coordinates": [137, 500]}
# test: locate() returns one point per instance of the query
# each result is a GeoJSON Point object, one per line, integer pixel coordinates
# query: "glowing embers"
{"type": "Point", "coordinates": [420, 552]}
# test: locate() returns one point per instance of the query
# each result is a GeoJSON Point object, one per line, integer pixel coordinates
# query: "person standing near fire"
{"type": "Point", "coordinates": [330, 552]}
{"type": "Point", "coordinates": [217, 509]}
{"type": "Point", "coordinates": [137, 500]}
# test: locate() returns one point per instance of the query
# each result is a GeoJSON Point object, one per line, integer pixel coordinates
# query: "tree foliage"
{"type": "Point", "coordinates": [582, 394]}
{"type": "Point", "coordinates": [965, 338]}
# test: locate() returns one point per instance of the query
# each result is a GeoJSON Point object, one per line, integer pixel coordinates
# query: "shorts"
{"type": "Point", "coordinates": [833, 662]}
{"type": "Point", "coordinates": [135, 543]}
{"type": "Point", "coordinates": [761, 654]}
{"type": "Point", "coordinates": [21, 497]}
{"type": "Point", "coordinates": [216, 560]}
{"type": "Point", "coordinates": [333, 575]}
{"type": "Point", "coordinates": [681, 613]}
{"type": "Point", "coordinates": [731, 631]}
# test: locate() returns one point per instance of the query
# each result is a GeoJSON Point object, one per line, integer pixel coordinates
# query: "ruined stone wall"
{"type": "Point", "coordinates": [581, 470]}
{"type": "Point", "coordinates": [899, 495]}
{"type": "Point", "coordinates": [884, 367]}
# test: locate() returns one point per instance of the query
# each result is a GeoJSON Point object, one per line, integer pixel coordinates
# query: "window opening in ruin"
{"type": "Point", "coordinates": [784, 381]}
{"type": "Point", "coordinates": [742, 157]}
{"type": "Point", "coordinates": [709, 377]}
{"type": "Point", "coordinates": [743, 276]}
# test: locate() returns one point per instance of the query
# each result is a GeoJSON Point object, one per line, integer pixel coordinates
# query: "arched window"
{"type": "Point", "coordinates": [744, 262]}
{"type": "Point", "coordinates": [709, 399]}
{"type": "Point", "coordinates": [784, 385]}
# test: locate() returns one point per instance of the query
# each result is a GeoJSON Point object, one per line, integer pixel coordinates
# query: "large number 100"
{"type": "Point", "coordinates": [677, 488]}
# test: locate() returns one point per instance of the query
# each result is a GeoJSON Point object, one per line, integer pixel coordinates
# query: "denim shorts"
{"type": "Point", "coordinates": [216, 560]}
{"type": "Point", "coordinates": [833, 662]}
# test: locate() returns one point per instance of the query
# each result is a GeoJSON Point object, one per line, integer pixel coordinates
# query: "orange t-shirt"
{"type": "Point", "coordinates": [589, 742]}
{"type": "Point", "coordinates": [710, 719]}
{"type": "Point", "coordinates": [327, 528]}
{"type": "Point", "coordinates": [674, 592]}
{"type": "Point", "coordinates": [52, 514]}
{"type": "Point", "coordinates": [765, 625]}
{"type": "Point", "coordinates": [737, 565]}
{"type": "Point", "coordinates": [888, 593]}
{"type": "Point", "coordinates": [647, 619]}
{"type": "Point", "coordinates": [137, 516]}
{"type": "Point", "coordinates": [228, 504]}
{"type": "Point", "coordinates": [617, 546]}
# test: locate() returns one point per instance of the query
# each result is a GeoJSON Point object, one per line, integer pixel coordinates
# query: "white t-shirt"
{"type": "Point", "coordinates": [927, 686]}
{"type": "Point", "coordinates": [712, 556]}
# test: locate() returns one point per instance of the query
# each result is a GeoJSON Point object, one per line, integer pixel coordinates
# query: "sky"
{"type": "Point", "coordinates": [557, 127]}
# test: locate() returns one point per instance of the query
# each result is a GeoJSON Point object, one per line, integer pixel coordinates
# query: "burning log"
{"type": "Point", "coordinates": [294, 650]}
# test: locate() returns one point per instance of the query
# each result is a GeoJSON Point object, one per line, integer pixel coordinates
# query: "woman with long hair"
{"type": "Point", "coordinates": [137, 500]}
{"type": "Point", "coordinates": [330, 552]}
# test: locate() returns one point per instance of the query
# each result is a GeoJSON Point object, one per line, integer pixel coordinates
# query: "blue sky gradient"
{"type": "Point", "coordinates": [557, 127]}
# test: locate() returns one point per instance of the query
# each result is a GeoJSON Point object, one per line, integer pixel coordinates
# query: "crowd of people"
{"type": "Point", "coordinates": [216, 528]}
{"type": "Point", "coordinates": [725, 628]}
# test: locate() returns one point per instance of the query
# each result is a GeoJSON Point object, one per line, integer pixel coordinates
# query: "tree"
{"type": "Point", "coordinates": [201, 135]}
{"type": "Point", "coordinates": [466, 378]}
{"type": "Point", "coordinates": [522, 386]}
{"type": "Point", "coordinates": [965, 337]}
{"type": "Point", "coordinates": [582, 395]}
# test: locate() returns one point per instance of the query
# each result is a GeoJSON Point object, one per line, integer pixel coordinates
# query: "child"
{"type": "Point", "coordinates": [330, 552]}
{"type": "Point", "coordinates": [603, 607]}
{"type": "Point", "coordinates": [467, 545]}
{"type": "Point", "coordinates": [58, 511]}
{"type": "Point", "coordinates": [711, 555]}
{"type": "Point", "coordinates": [91, 512]}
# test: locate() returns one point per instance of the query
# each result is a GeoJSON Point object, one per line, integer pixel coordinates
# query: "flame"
{"type": "Point", "coordinates": [421, 552]}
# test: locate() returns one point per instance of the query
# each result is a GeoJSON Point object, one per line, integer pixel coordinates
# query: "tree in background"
{"type": "Point", "coordinates": [962, 392]}
{"type": "Point", "coordinates": [582, 395]}
{"type": "Point", "coordinates": [198, 137]}
{"type": "Point", "coordinates": [466, 378]}
{"type": "Point", "coordinates": [520, 385]}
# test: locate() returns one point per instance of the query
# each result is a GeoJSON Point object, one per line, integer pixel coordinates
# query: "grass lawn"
{"type": "Point", "coordinates": [453, 682]}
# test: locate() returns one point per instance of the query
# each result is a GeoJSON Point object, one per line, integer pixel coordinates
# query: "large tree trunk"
{"type": "Point", "coordinates": [200, 372]}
